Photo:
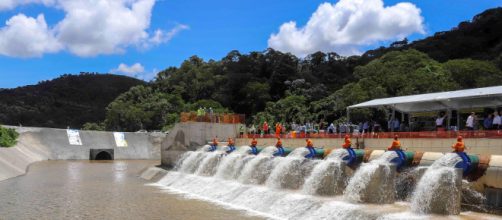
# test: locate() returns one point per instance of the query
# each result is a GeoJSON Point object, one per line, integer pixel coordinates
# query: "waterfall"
{"type": "Point", "coordinates": [190, 161]}
{"type": "Point", "coordinates": [439, 189]}
{"type": "Point", "coordinates": [293, 187]}
{"type": "Point", "coordinates": [209, 164]}
{"type": "Point", "coordinates": [328, 176]}
{"type": "Point", "coordinates": [373, 182]}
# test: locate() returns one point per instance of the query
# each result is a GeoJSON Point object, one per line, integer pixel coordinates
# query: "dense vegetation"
{"type": "Point", "coordinates": [8, 137]}
{"type": "Point", "coordinates": [70, 100]}
{"type": "Point", "coordinates": [275, 86]}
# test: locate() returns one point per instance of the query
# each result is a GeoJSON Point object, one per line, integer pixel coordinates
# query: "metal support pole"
{"type": "Point", "coordinates": [448, 116]}
{"type": "Point", "coordinates": [409, 122]}
{"type": "Point", "coordinates": [392, 120]}
{"type": "Point", "coordinates": [348, 115]}
{"type": "Point", "coordinates": [458, 119]}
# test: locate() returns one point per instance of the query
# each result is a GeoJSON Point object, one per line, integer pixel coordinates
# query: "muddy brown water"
{"type": "Point", "coordinates": [98, 190]}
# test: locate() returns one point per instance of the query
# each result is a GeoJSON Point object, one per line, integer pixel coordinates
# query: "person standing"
{"type": "Point", "coordinates": [396, 125]}
{"type": "Point", "coordinates": [278, 129]}
{"type": "Point", "coordinates": [488, 122]}
{"type": "Point", "coordinates": [497, 121]}
{"type": "Point", "coordinates": [469, 123]}
{"type": "Point", "coordinates": [440, 122]}
{"type": "Point", "coordinates": [265, 127]}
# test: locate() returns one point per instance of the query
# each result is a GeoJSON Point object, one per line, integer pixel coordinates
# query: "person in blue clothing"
{"type": "Point", "coordinates": [280, 149]}
{"type": "Point", "coordinates": [310, 147]}
{"type": "Point", "coordinates": [254, 149]}
{"type": "Point", "coordinates": [231, 145]}
{"type": "Point", "coordinates": [214, 145]}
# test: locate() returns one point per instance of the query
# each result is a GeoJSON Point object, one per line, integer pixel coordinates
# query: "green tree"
{"type": "Point", "coordinates": [468, 73]}
{"type": "Point", "coordinates": [142, 108]}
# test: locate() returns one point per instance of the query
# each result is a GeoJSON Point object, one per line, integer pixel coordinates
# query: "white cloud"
{"type": "Point", "coordinates": [347, 25]}
{"type": "Point", "coordinates": [161, 36]}
{"type": "Point", "coordinates": [92, 27]}
{"type": "Point", "coordinates": [27, 37]}
{"type": "Point", "coordinates": [136, 70]}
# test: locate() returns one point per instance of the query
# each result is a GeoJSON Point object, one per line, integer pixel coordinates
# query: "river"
{"type": "Point", "coordinates": [98, 190]}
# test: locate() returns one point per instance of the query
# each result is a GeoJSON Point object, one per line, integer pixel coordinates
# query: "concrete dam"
{"type": "Point", "coordinates": [334, 184]}
{"type": "Point", "coordinates": [326, 182]}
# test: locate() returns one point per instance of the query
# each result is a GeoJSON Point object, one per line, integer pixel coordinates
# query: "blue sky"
{"type": "Point", "coordinates": [209, 29]}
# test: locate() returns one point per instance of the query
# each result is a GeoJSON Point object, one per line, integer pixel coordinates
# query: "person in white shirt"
{"type": "Point", "coordinates": [497, 121]}
{"type": "Point", "coordinates": [440, 121]}
{"type": "Point", "coordinates": [470, 121]}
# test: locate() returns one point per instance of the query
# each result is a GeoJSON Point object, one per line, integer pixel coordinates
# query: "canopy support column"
{"type": "Point", "coordinates": [393, 118]}
{"type": "Point", "coordinates": [448, 116]}
{"type": "Point", "coordinates": [458, 120]}
{"type": "Point", "coordinates": [348, 115]}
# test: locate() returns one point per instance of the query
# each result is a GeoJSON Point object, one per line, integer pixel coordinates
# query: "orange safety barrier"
{"type": "Point", "coordinates": [213, 118]}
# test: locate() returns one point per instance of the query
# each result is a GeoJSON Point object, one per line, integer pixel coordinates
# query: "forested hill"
{"type": "Point", "coordinates": [280, 87]}
{"type": "Point", "coordinates": [480, 38]}
{"type": "Point", "coordinates": [70, 100]}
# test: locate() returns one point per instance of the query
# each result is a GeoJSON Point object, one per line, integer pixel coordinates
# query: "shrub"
{"type": "Point", "coordinates": [8, 137]}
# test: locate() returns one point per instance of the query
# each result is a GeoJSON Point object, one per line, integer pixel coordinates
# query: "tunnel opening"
{"type": "Point", "coordinates": [101, 154]}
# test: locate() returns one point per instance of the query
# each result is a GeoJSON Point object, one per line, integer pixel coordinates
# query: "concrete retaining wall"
{"type": "Point", "coordinates": [37, 144]}
{"type": "Point", "coordinates": [188, 136]}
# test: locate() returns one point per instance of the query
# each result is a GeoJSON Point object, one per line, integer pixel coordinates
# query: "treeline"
{"type": "Point", "coordinates": [279, 87]}
{"type": "Point", "coordinates": [70, 100]}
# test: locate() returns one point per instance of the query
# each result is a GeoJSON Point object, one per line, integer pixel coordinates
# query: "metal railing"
{"type": "Point", "coordinates": [420, 134]}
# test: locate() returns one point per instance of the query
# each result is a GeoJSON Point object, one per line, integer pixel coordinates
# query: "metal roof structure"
{"type": "Point", "coordinates": [460, 99]}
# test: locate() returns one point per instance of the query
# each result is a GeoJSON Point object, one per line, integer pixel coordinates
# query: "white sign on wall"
{"type": "Point", "coordinates": [120, 140]}
{"type": "Point", "coordinates": [74, 137]}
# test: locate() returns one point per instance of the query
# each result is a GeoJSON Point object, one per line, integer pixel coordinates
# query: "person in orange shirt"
{"type": "Point", "coordinates": [214, 145]}
{"type": "Point", "coordinates": [310, 147]}
{"type": "Point", "coordinates": [278, 128]}
{"type": "Point", "coordinates": [280, 149]}
{"type": "Point", "coordinates": [396, 144]}
{"type": "Point", "coordinates": [254, 150]}
{"type": "Point", "coordinates": [231, 145]}
{"type": "Point", "coordinates": [458, 147]}
{"type": "Point", "coordinates": [347, 143]}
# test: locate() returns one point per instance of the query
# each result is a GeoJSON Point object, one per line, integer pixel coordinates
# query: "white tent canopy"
{"type": "Point", "coordinates": [453, 100]}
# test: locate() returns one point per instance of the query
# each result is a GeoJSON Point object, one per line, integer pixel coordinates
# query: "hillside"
{"type": "Point", "coordinates": [70, 100]}
{"type": "Point", "coordinates": [480, 38]}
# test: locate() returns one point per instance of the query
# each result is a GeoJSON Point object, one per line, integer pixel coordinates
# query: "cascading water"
{"type": "Point", "coordinates": [257, 170]}
{"type": "Point", "coordinates": [373, 182]}
{"type": "Point", "coordinates": [190, 161]}
{"type": "Point", "coordinates": [239, 177]}
{"type": "Point", "coordinates": [287, 172]}
{"type": "Point", "coordinates": [209, 164]}
{"type": "Point", "coordinates": [328, 176]}
{"type": "Point", "coordinates": [439, 189]}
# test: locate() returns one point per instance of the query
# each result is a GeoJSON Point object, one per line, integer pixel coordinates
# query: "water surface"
{"type": "Point", "coordinates": [97, 190]}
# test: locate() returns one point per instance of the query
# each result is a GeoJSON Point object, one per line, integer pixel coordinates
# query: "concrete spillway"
{"type": "Point", "coordinates": [299, 188]}
{"type": "Point", "coordinates": [37, 144]}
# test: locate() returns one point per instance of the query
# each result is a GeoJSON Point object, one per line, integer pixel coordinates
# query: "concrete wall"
{"type": "Point", "coordinates": [486, 146]}
{"type": "Point", "coordinates": [188, 136]}
{"type": "Point", "coordinates": [37, 144]}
